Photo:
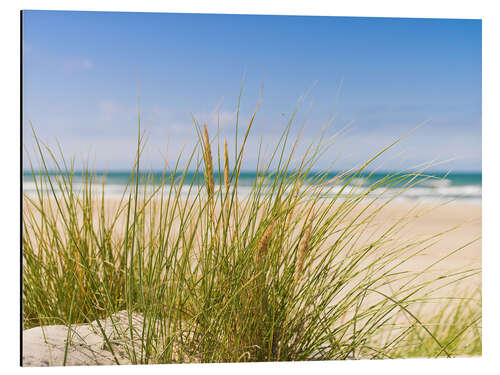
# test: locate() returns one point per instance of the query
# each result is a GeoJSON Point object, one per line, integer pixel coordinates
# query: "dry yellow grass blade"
{"type": "Point", "coordinates": [293, 203]}
{"type": "Point", "coordinates": [226, 166]}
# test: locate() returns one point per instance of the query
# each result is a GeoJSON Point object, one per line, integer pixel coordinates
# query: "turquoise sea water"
{"type": "Point", "coordinates": [461, 187]}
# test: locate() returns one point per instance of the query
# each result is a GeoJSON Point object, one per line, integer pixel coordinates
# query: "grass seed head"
{"type": "Point", "coordinates": [263, 245]}
{"type": "Point", "coordinates": [303, 250]}
{"type": "Point", "coordinates": [209, 170]}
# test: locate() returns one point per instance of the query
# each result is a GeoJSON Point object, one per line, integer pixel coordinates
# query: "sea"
{"type": "Point", "coordinates": [429, 187]}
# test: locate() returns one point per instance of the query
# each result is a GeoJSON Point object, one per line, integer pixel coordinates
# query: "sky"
{"type": "Point", "coordinates": [378, 78]}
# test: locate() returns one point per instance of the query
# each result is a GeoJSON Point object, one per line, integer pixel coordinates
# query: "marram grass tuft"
{"type": "Point", "coordinates": [292, 271]}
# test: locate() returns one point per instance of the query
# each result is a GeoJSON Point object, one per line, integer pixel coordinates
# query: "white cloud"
{"type": "Point", "coordinates": [221, 117]}
{"type": "Point", "coordinates": [77, 64]}
{"type": "Point", "coordinates": [115, 112]}
{"type": "Point", "coordinates": [108, 109]}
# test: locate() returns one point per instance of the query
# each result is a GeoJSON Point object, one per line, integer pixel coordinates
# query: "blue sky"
{"type": "Point", "coordinates": [80, 83]}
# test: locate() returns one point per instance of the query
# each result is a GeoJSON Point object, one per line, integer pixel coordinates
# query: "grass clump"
{"type": "Point", "coordinates": [456, 324]}
{"type": "Point", "coordinates": [293, 271]}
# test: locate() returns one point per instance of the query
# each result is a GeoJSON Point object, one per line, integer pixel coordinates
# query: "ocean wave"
{"type": "Point", "coordinates": [437, 183]}
{"type": "Point", "coordinates": [443, 192]}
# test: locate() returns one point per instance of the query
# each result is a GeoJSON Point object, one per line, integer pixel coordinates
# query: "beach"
{"type": "Point", "coordinates": [456, 226]}
{"type": "Point", "coordinates": [425, 242]}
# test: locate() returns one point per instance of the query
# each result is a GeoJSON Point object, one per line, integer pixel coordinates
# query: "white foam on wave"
{"type": "Point", "coordinates": [445, 192]}
{"type": "Point", "coordinates": [443, 182]}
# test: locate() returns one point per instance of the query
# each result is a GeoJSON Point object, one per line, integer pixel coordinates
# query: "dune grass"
{"type": "Point", "coordinates": [456, 325]}
{"type": "Point", "coordinates": [291, 272]}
